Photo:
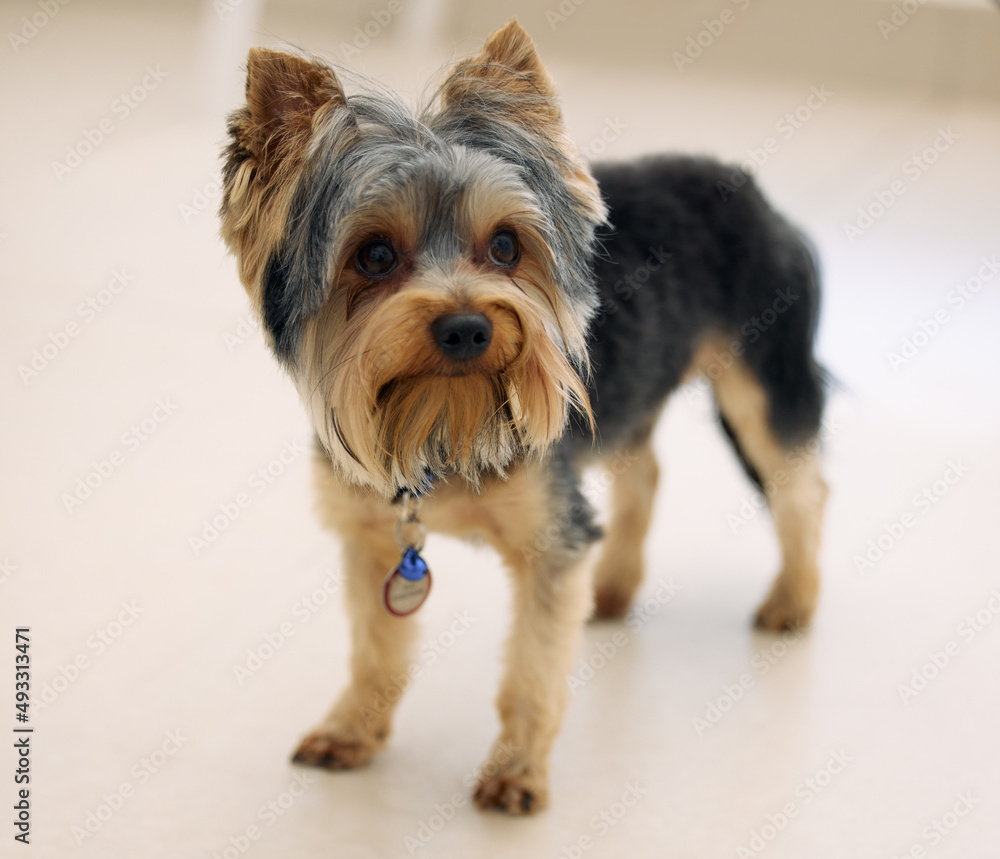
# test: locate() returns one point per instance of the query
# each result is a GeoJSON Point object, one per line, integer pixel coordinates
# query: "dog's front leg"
{"type": "Point", "coordinates": [551, 602]}
{"type": "Point", "coordinates": [381, 645]}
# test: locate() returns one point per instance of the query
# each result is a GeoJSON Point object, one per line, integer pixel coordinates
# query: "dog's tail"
{"type": "Point", "coordinates": [783, 357]}
{"type": "Point", "coordinates": [780, 340]}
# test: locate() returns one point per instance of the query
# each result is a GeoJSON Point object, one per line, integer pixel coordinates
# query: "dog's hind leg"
{"type": "Point", "coordinates": [634, 473]}
{"type": "Point", "coordinates": [793, 485]}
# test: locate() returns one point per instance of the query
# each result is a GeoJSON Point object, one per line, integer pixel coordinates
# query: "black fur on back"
{"type": "Point", "coordinates": [721, 258]}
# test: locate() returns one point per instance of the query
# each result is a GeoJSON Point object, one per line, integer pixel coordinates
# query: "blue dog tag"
{"type": "Point", "coordinates": [412, 567]}
{"type": "Point", "coordinates": [406, 587]}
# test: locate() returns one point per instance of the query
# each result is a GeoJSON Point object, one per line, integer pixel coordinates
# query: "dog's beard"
{"type": "Point", "coordinates": [389, 421]}
{"type": "Point", "coordinates": [465, 425]}
{"type": "Point", "coordinates": [440, 424]}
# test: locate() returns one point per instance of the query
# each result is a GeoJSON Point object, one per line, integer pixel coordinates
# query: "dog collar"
{"type": "Point", "coordinates": [416, 492]}
{"type": "Point", "coordinates": [409, 582]}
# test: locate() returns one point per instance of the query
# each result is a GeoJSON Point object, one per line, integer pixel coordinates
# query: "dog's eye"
{"type": "Point", "coordinates": [504, 248]}
{"type": "Point", "coordinates": [376, 258]}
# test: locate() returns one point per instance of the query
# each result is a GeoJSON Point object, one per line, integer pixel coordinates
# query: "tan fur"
{"type": "Point", "coordinates": [551, 593]}
{"type": "Point", "coordinates": [550, 604]}
{"type": "Point", "coordinates": [796, 496]}
{"type": "Point", "coordinates": [369, 349]}
{"type": "Point", "coordinates": [384, 401]}
{"type": "Point", "coordinates": [509, 64]}
{"type": "Point", "coordinates": [288, 98]}
{"type": "Point", "coordinates": [374, 354]}
{"type": "Point", "coordinates": [359, 723]}
{"type": "Point", "coordinates": [618, 574]}
{"type": "Point", "coordinates": [379, 390]}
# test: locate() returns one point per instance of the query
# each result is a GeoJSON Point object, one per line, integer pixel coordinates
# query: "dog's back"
{"type": "Point", "coordinates": [693, 255]}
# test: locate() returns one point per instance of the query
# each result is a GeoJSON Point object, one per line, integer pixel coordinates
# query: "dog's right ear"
{"type": "Point", "coordinates": [286, 97]}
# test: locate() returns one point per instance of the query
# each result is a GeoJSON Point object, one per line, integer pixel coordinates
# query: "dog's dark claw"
{"type": "Point", "coordinates": [526, 802]}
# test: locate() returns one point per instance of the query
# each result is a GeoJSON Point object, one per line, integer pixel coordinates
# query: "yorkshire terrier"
{"type": "Point", "coordinates": [465, 345]}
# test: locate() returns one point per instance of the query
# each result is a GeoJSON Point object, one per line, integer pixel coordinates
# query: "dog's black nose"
{"type": "Point", "coordinates": [462, 335]}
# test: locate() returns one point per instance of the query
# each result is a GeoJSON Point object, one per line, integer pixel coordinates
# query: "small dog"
{"type": "Point", "coordinates": [463, 344]}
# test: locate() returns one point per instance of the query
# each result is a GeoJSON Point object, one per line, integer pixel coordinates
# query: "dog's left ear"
{"type": "Point", "coordinates": [506, 73]}
{"type": "Point", "coordinates": [507, 81]}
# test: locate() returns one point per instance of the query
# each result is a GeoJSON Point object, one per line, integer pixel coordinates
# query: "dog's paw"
{"type": "Point", "coordinates": [781, 611]}
{"type": "Point", "coordinates": [611, 603]}
{"type": "Point", "coordinates": [333, 750]}
{"type": "Point", "coordinates": [515, 792]}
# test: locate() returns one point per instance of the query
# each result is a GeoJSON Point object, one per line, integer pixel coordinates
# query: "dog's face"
{"type": "Point", "coordinates": [426, 280]}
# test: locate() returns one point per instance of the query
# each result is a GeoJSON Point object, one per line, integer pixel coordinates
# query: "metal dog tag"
{"type": "Point", "coordinates": [406, 587]}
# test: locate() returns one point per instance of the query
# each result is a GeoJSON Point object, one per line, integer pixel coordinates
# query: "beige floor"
{"type": "Point", "coordinates": [144, 731]}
